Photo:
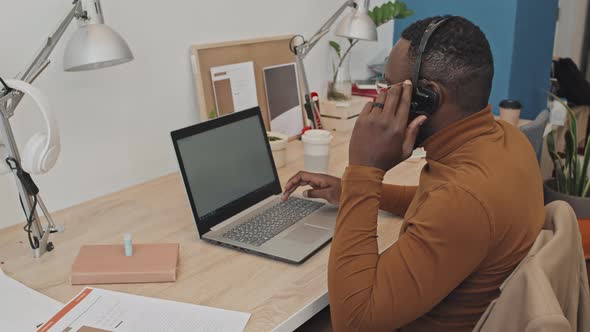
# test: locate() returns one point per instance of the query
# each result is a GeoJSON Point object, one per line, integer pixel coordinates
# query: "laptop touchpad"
{"type": "Point", "coordinates": [324, 218]}
{"type": "Point", "coordinates": [306, 234]}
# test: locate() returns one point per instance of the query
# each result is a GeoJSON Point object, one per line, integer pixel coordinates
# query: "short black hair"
{"type": "Point", "coordinates": [458, 56]}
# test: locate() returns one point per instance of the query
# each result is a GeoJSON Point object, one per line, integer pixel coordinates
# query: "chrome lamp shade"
{"type": "Point", "coordinates": [95, 46]}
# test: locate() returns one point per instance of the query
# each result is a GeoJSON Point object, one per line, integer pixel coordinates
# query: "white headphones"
{"type": "Point", "coordinates": [43, 148]}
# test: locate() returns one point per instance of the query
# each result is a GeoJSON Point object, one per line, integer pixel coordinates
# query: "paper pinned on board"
{"type": "Point", "coordinates": [94, 310]}
{"type": "Point", "coordinates": [234, 87]}
{"type": "Point", "coordinates": [23, 309]}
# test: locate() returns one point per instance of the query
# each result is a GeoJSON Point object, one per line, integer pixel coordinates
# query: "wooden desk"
{"type": "Point", "coordinates": [280, 296]}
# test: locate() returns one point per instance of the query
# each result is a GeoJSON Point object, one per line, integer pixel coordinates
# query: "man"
{"type": "Point", "coordinates": [472, 219]}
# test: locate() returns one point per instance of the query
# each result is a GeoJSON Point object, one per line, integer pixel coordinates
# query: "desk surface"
{"type": "Point", "coordinates": [279, 296]}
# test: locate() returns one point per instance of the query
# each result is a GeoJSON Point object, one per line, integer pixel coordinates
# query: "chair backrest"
{"type": "Point", "coordinates": [534, 132]}
{"type": "Point", "coordinates": [548, 291]}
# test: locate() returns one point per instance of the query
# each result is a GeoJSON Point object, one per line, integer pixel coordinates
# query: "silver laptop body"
{"type": "Point", "coordinates": [235, 194]}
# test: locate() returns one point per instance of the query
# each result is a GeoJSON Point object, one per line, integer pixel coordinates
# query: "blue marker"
{"type": "Point", "coordinates": [128, 245]}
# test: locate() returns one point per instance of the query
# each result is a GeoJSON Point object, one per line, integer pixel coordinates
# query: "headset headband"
{"type": "Point", "coordinates": [427, 34]}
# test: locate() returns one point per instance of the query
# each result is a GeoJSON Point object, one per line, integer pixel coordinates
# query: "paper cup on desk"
{"type": "Point", "coordinates": [316, 150]}
{"type": "Point", "coordinates": [510, 111]}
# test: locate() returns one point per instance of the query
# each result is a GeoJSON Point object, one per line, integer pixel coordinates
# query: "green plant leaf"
{"type": "Point", "coordinates": [378, 11]}
{"type": "Point", "coordinates": [386, 14]}
{"type": "Point", "coordinates": [571, 162]}
{"type": "Point", "coordinates": [336, 48]}
{"type": "Point", "coordinates": [559, 172]}
{"type": "Point", "coordinates": [396, 9]}
{"type": "Point", "coordinates": [551, 143]}
{"type": "Point", "coordinates": [403, 6]}
{"type": "Point", "coordinates": [372, 15]}
{"type": "Point", "coordinates": [586, 190]}
{"type": "Point", "coordinates": [575, 174]}
{"type": "Point", "coordinates": [573, 127]}
{"type": "Point", "coordinates": [389, 11]}
{"type": "Point", "coordinates": [559, 177]}
{"type": "Point", "coordinates": [407, 13]}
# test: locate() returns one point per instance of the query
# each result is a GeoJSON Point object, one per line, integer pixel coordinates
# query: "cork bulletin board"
{"type": "Point", "coordinates": [263, 52]}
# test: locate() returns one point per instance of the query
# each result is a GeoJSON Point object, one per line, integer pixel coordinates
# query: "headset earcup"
{"type": "Point", "coordinates": [33, 155]}
{"type": "Point", "coordinates": [425, 101]}
{"type": "Point", "coordinates": [51, 157]}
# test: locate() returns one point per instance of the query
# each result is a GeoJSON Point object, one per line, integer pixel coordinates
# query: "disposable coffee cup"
{"type": "Point", "coordinates": [510, 111]}
{"type": "Point", "coordinates": [316, 150]}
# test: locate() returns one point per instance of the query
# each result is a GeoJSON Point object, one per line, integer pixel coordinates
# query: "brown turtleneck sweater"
{"type": "Point", "coordinates": [473, 217]}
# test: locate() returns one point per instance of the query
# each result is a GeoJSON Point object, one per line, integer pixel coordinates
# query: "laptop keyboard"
{"type": "Point", "coordinates": [263, 227]}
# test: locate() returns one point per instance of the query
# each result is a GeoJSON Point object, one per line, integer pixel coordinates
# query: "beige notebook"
{"type": "Point", "coordinates": [107, 264]}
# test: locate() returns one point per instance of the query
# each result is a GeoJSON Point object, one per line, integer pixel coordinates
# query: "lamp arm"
{"type": "Point", "coordinates": [306, 47]}
{"type": "Point", "coordinates": [40, 61]}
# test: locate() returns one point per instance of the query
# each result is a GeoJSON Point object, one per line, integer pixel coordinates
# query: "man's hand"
{"type": "Point", "coordinates": [323, 186]}
{"type": "Point", "coordinates": [382, 137]}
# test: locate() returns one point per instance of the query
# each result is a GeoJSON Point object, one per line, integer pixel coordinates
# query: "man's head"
{"type": "Point", "coordinates": [457, 64]}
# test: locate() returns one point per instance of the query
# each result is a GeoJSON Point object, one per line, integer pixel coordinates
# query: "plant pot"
{"type": "Point", "coordinates": [581, 205]}
{"type": "Point", "coordinates": [279, 148]}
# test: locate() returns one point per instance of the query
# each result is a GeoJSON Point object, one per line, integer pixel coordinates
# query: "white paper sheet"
{"type": "Point", "coordinates": [558, 114]}
{"type": "Point", "coordinates": [21, 308]}
{"type": "Point", "coordinates": [110, 311]}
{"type": "Point", "coordinates": [243, 84]}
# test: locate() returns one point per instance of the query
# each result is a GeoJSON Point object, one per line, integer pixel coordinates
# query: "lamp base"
{"type": "Point", "coordinates": [44, 244]}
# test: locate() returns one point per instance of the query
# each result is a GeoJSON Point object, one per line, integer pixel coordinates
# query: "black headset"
{"type": "Point", "coordinates": [424, 100]}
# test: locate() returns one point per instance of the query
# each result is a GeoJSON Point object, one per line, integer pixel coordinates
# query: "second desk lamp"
{"type": "Point", "coordinates": [356, 25]}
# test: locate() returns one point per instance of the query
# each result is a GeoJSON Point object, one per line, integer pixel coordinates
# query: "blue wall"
{"type": "Point", "coordinates": [533, 51]}
{"type": "Point", "coordinates": [521, 35]}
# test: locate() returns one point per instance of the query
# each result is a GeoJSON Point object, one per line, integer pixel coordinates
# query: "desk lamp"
{"type": "Point", "coordinates": [94, 45]}
{"type": "Point", "coordinates": [356, 25]}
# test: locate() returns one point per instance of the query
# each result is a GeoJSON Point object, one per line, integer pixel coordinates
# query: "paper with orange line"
{"type": "Point", "coordinates": [99, 310]}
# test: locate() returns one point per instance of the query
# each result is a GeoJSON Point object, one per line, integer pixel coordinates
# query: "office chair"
{"type": "Point", "coordinates": [534, 132]}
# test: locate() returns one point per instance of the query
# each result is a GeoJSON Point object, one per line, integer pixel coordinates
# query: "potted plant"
{"type": "Point", "coordinates": [278, 145]}
{"type": "Point", "coordinates": [340, 87]}
{"type": "Point", "coordinates": [571, 182]}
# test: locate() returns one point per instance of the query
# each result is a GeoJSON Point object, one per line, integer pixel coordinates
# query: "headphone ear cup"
{"type": "Point", "coordinates": [50, 158]}
{"type": "Point", "coordinates": [425, 100]}
{"type": "Point", "coordinates": [33, 155]}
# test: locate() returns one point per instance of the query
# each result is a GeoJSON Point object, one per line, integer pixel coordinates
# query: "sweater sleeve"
{"type": "Point", "coordinates": [445, 240]}
{"type": "Point", "coordinates": [396, 199]}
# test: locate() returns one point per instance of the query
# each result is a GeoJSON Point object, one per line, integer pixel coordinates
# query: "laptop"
{"type": "Point", "coordinates": [235, 194]}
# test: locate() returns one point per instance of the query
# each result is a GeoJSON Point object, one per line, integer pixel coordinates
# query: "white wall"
{"type": "Point", "coordinates": [115, 122]}
{"type": "Point", "coordinates": [569, 35]}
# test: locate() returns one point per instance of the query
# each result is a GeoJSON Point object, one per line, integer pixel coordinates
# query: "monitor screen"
{"type": "Point", "coordinates": [225, 164]}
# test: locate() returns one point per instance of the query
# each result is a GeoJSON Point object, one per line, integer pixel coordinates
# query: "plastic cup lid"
{"type": "Point", "coordinates": [317, 136]}
{"type": "Point", "coordinates": [511, 104]}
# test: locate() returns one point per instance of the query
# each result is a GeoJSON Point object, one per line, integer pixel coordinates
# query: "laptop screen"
{"type": "Point", "coordinates": [227, 166]}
